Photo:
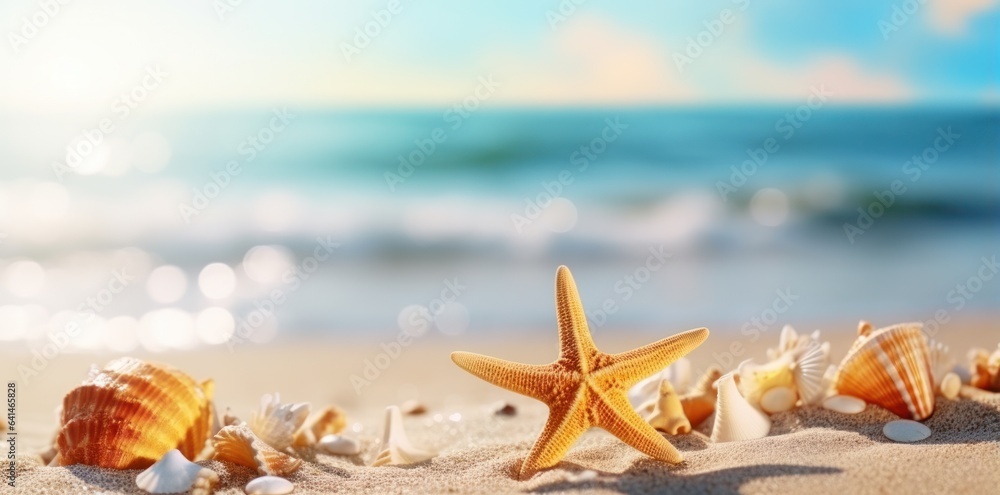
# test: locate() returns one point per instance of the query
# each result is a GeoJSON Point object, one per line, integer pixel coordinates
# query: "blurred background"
{"type": "Point", "coordinates": [183, 174]}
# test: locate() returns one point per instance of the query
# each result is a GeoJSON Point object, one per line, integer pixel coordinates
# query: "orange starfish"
{"type": "Point", "coordinates": [584, 387]}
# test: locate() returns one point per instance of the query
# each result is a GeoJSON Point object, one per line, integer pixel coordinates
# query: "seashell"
{"type": "Point", "coordinates": [905, 430]}
{"type": "Point", "coordinates": [810, 369]}
{"type": "Point", "coordinates": [778, 399]}
{"type": "Point", "coordinates": [327, 421]}
{"type": "Point", "coordinates": [396, 447]}
{"type": "Point", "coordinates": [239, 445]}
{"type": "Point", "coordinates": [970, 392]}
{"type": "Point", "coordinates": [130, 413]}
{"type": "Point", "coordinates": [679, 374]}
{"type": "Point", "coordinates": [668, 414]}
{"type": "Point", "coordinates": [174, 474]}
{"type": "Point", "coordinates": [413, 408]}
{"type": "Point", "coordinates": [699, 404]}
{"type": "Point", "coordinates": [844, 404]}
{"type": "Point", "coordinates": [505, 409]}
{"type": "Point", "coordinates": [755, 379]}
{"type": "Point", "coordinates": [269, 485]}
{"type": "Point", "coordinates": [951, 384]}
{"type": "Point", "coordinates": [735, 418]}
{"type": "Point", "coordinates": [276, 423]}
{"type": "Point", "coordinates": [941, 361]}
{"type": "Point", "coordinates": [338, 445]}
{"type": "Point", "coordinates": [986, 370]}
{"type": "Point", "coordinates": [788, 341]}
{"type": "Point", "coordinates": [890, 367]}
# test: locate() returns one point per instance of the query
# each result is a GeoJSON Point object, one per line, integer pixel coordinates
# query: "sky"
{"type": "Point", "coordinates": [239, 53]}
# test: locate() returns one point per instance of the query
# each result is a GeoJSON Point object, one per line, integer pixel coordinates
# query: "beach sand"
{"type": "Point", "coordinates": [809, 450]}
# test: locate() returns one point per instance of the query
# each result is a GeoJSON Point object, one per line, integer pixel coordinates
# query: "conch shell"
{"type": "Point", "coordinates": [668, 414]}
{"type": "Point", "coordinates": [890, 367]}
{"type": "Point", "coordinates": [130, 413]}
{"type": "Point", "coordinates": [986, 370]}
{"type": "Point", "coordinates": [396, 446]}
{"type": "Point", "coordinates": [238, 445]}
{"type": "Point", "coordinates": [276, 423]}
{"type": "Point", "coordinates": [735, 418]}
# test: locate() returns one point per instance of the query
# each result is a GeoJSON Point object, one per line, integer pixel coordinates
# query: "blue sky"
{"type": "Point", "coordinates": [432, 53]}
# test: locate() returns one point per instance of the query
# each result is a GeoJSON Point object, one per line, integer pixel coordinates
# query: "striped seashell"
{"type": "Point", "coordinates": [129, 414]}
{"type": "Point", "coordinates": [238, 444]}
{"type": "Point", "coordinates": [890, 367]}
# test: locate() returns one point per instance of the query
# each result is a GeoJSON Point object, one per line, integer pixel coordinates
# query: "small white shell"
{"type": "Point", "coordinates": [276, 423]}
{"type": "Point", "coordinates": [735, 418]}
{"type": "Point", "coordinates": [950, 385]}
{"type": "Point", "coordinates": [396, 447]}
{"type": "Point", "coordinates": [844, 404]}
{"type": "Point", "coordinates": [173, 473]}
{"type": "Point", "coordinates": [778, 399]}
{"type": "Point", "coordinates": [269, 485]}
{"type": "Point", "coordinates": [338, 445]}
{"type": "Point", "coordinates": [810, 368]}
{"type": "Point", "coordinates": [905, 430]}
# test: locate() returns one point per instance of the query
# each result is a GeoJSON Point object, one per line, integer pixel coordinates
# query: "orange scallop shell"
{"type": "Point", "coordinates": [890, 367]}
{"type": "Point", "coordinates": [131, 413]}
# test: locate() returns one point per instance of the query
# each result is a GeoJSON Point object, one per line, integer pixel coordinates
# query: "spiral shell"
{"type": "Point", "coordinates": [890, 367]}
{"type": "Point", "coordinates": [130, 413]}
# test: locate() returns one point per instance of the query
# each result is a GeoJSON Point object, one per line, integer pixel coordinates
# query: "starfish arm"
{"type": "Point", "coordinates": [563, 427]}
{"type": "Point", "coordinates": [632, 366]}
{"type": "Point", "coordinates": [524, 379]}
{"type": "Point", "coordinates": [575, 344]}
{"type": "Point", "coordinates": [616, 415]}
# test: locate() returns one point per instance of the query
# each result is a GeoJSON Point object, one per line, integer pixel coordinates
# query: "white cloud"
{"type": "Point", "coordinates": [952, 17]}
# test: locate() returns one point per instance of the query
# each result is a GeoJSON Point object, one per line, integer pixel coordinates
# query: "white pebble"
{"type": "Point", "coordinates": [905, 430]}
{"type": "Point", "coordinates": [951, 384]}
{"type": "Point", "coordinates": [269, 485]}
{"type": "Point", "coordinates": [338, 445]}
{"type": "Point", "coordinates": [844, 404]}
{"type": "Point", "coordinates": [778, 399]}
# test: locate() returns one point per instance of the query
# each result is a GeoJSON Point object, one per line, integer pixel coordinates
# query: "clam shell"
{"type": "Point", "coordinates": [338, 445]}
{"type": "Point", "coordinates": [905, 430]}
{"type": "Point", "coordinates": [778, 399]}
{"type": "Point", "coordinates": [269, 485]}
{"type": "Point", "coordinates": [276, 423]}
{"type": "Point", "coordinates": [327, 421]}
{"type": "Point", "coordinates": [238, 444]}
{"type": "Point", "coordinates": [890, 367]}
{"type": "Point", "coordinates": [844, 404]}
{"type": "Point", "coordinates": [174, 474]}
{"type": "Point", "coordinates": [129, 414]}
{"type": "Point", "coordinates": [396, 447]}
{"type": "Point", "coordinates": [809, 370]}
{"type": "Point", "coordinates": [735, 418]}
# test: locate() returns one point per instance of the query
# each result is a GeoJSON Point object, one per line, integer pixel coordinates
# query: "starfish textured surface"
{"type": "Point", "coordinates": [584, 387]}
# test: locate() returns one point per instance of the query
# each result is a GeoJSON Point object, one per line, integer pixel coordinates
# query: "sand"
{"type": "Point", "coordinates": [809, 450]}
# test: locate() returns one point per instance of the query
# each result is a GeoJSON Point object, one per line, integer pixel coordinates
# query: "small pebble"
{"type": "Point", "coordinates": [412, 408]}
{"type": "Point", "coordinates": [778, 399]}
{"type": "Point", "coordinates": [844, 404]}
{"type": "Point", "coordinates": [905, 430]}
{"type": "Point", "coordinates": [338, 445]}
{"type": "Point", "coordinates": [585, 475]}
{"type": "Point", "coordinates": [951, 384]}
{"type": "Point", "coordinates": [505, 409]}
{"type": "Point", "coordinates": [269, 485]}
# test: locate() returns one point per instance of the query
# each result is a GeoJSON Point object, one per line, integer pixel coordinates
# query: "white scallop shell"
{"type": "Point", "coordinates": [396, 447]}
{"type": "Point", "coordinates": [778, 399]}
{"type": "Point", "coordinates": [809, 370]}
{"type": "Point", "coordinates": [275, 423]}
{"type": "Point", "coordinates": [735, 418]}
{"type": "Point", "coordinates": [941, 361]}
{"type": "Point", "coordinates": [338, 445]}
{"type": "Point", "coordinates": [844, 404]}
{"type": "Point", "coordinates": [906, 430]}
{"type": "Point", "coordinates": [173, 473]}
{"type": "Point", "coordinates": [269, 485]}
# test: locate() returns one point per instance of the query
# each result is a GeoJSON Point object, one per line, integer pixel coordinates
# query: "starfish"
{"type": "Point", "coordinates": [584, 387]}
